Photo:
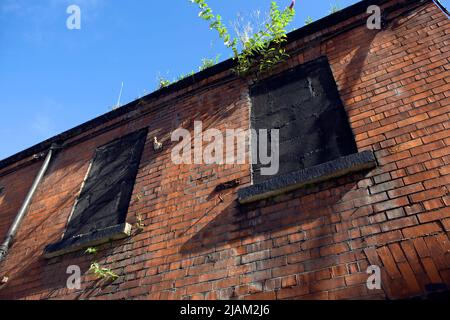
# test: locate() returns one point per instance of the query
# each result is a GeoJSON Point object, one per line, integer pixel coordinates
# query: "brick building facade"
{"type": "Point", "coordinates": [196, 240]}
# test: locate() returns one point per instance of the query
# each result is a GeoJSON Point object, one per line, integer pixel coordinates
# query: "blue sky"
{"type": "Point", "coordinates": [52, 78]}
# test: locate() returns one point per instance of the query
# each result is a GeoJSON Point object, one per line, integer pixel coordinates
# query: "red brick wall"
{"type": "Point", "coordinates": [13, 195]}
{"type": "Point", "coordinates": [311, 243]}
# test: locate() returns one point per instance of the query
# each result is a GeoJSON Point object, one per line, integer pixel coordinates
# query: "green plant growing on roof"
{"type": "Point", "coordinates": [263, 49]}
{"type": "Point", "coordinates": [309, 20]}
{"type": "Point", "coordinates": [334, 8]}
{"type": "Point", "coordinates": [208, 63]}
{"type": "Point", "coordinates": [163, 82]}
{"type": "Point", "coordinates": [184, 76]}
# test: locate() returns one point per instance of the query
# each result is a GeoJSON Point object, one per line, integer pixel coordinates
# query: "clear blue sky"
{"type": "Point", "coordinates": [52, 78]}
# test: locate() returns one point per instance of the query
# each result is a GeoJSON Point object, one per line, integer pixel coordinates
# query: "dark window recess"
{"type": "Point", "coordinates": [2, 189]}
{"type": "Point", "coordinates": [102, 206]}
{"type": "Point", "coordinates": [304, 104]}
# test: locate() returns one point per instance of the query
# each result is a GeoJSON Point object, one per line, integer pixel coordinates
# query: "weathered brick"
{"type": "Point", "coordinates": [399, 223]}
{"type": "Point", "coordinates": [391, 204]}
{"type": "Point", "coordinates": [421, 230]}
{"type": "Point", "coordinates": [434, 215]}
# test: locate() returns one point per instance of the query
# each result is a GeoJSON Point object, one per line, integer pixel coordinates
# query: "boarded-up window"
{"type": "Point", "coordinates": [304, 104]}
{"type": "Point", "coordinates": [102, 205]}
{"type": "Point", "coordinates": [105, 197]}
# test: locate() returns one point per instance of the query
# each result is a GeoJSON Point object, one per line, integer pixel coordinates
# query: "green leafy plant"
{"type": "Point", "coordinates": [163, 83]}
{"type": "Point", "coordinates": [208, 63]}
{"type": "Point", "coordinates": [334, 8]}
{"type": "Point", "coordinates": [309, 20]}
{"type": "Point", "coordinates": [265, 48]}
{"type": "Point", "coordinates": [184, 76]}
{"type": "Point", "coordinates": [102, 273]}
{"type": "Point", "coordinates": [91, 251]}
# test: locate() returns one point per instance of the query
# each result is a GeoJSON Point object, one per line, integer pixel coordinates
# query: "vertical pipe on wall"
{"type": "Point", "coordinates": [23, 209]}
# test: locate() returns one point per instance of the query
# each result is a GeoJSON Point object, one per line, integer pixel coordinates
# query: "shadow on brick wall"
{"type": "Point", "coordinates": [29, 273]}
{"type": "Point", "coordinates": [268, 218]}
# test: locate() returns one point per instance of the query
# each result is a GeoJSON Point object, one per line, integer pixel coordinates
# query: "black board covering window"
{"type": "Point", "coordinates": [101, 208]}
{"type": "Point", "coordinates": [304, 104]}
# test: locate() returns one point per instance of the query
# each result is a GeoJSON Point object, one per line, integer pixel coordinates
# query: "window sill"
{"type": "Point", "coordinates": [92, 239]}
{"type": "Point", "coordinates": [298, 179]}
